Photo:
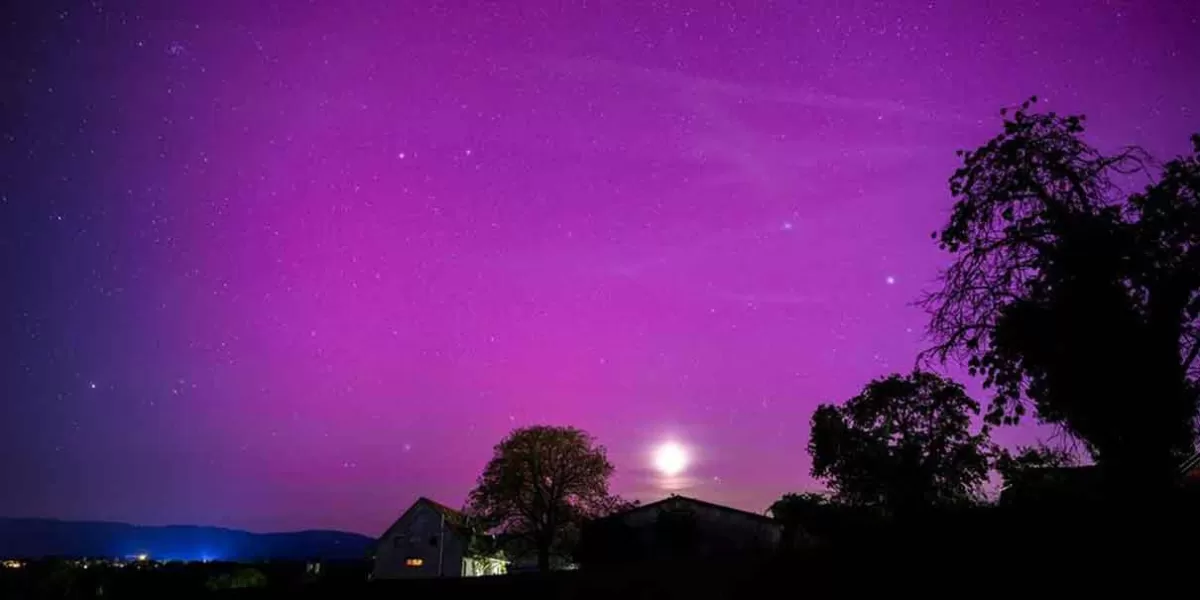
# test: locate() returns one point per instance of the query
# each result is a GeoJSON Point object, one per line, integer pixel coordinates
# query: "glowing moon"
{"type": "Point", "coordinates": [670, 459]}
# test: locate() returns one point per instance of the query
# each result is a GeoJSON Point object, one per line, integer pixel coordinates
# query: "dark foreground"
{"type": "Point", "coordinates": [1150, 552]}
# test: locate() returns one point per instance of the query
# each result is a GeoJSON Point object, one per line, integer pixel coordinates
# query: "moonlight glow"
{"type": "Point", "coordinates": [670, 459]}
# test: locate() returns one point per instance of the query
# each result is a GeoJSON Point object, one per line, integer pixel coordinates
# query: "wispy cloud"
{"type": "Point", "coordinates": [737, 153]}
{"type": "Point", "coordinates": [738, 91]}
{"type": "Point", "coordinates": [771, 173]}
{"type": "Point", "coordinates": [648, 485]}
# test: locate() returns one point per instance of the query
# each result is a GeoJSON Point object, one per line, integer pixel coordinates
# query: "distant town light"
{"type": "Point", "coordinates": [143, 557]}
{"type": "Point", "coordinates": [414, 562]}
{"type": "Point", "coordinates": [12, 564]}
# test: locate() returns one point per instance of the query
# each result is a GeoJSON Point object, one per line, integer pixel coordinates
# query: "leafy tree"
{"type": "Point", "coordinates": [795, 507]}
{"type": "Point", "coordinates": [541, 484]}
{"type": "Point", "coordinates": [799, 514]}
{"type": "Point", "coordinates": [1071, 300]}
{"type": "Point", "coordinates": [903, 443]}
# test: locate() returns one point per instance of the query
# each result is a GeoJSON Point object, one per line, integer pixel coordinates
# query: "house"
{"type": "Point", "coordinates": [1069, 486]}
{"type": "Point", "coordinates": [678, 528]}
{"type": "Point", "coordinates": [434, 540]}
{"type": "Point", "coordinates": [1064, 486]}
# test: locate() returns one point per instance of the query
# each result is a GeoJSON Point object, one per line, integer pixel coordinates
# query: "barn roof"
{"type": "Point", "coordinates": [675, 498]}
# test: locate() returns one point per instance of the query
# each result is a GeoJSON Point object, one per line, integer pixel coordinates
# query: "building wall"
{"type": "Point", "coordinates": [483, 566]}
{"type": "Point", "coordinates": [416, 536]}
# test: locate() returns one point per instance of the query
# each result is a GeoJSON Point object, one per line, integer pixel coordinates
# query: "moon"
{"type": "Point", "coordinates": [670, 459]}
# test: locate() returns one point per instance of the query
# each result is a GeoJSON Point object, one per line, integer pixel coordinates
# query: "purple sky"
{"type": "Point", "coordinates": [282, 268]}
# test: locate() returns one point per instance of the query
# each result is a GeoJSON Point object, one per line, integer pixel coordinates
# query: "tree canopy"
{"type": "Point", "coordinates": [803, 514]}
{"type": "Point", "coordinates": [540, 484]}
{"type": "Point", "coordinates": [1070, 297]}
{"type": "Point", "coordinates": [904, 442]}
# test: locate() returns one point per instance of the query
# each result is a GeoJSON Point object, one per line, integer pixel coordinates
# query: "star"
{"type": "Point", "coordinates": [92, 384]}
{"type": "Point", "coordinates": [787, 226]}
{"type": "Point", "coordinates": [890, 280]}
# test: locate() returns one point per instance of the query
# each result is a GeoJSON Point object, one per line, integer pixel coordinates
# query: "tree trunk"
{"type": "Point", "coordinates": [545, 539]}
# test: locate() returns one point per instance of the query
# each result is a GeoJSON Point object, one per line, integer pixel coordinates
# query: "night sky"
{"type": "Point", "coordinates": [284, 265]}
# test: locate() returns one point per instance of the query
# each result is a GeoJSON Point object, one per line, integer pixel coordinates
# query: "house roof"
{"type": "Point", "coordinates": [1192, 462]}
{"type": "Point", "coordinates": [696, 501]}
{"type": "Point", "coordinates": [1084, 474]}
{"type": "Point", "coordinates": [454, 518]}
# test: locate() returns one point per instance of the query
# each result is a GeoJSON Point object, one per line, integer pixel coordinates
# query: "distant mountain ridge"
{"type": "Point", "coordinates": [31, 538]}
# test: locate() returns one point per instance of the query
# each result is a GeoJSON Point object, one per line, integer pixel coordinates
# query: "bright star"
{"type": "Point", "coordinates": [890, 280]}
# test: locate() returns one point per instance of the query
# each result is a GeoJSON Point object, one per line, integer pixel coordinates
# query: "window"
{"type": "Point", "coordinates": [414, 562]}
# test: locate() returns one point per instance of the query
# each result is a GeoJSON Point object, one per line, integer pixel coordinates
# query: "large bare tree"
{"type": "Point", "coordinates": [1073, 298]}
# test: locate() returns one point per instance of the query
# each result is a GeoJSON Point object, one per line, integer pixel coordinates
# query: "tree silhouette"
{"type": "Point", "coordinates": [800, 514]}
{"type": "Point", "coordinates": [1072, 300]}
{"type": "Point", "coordinates": [796, 508]}
{"type": "Point", "coordinates": [539, 486]}
{"type": "Point", "coordinates": [903, 443]}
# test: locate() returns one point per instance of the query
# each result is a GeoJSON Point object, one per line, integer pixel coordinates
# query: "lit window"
{"type": "Point", "coordinates": [414, 562]}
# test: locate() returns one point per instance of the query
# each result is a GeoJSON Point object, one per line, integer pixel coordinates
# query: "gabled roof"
{"type": "Point", "coordinates": [689, 500]}
{"type": "Point", "coordinates": [456, 517]}
{"type": "Point", "coordinates": [455, 520]}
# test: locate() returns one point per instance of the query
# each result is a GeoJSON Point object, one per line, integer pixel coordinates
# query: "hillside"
{"type": "Point", "coordinates": [48, 537]}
